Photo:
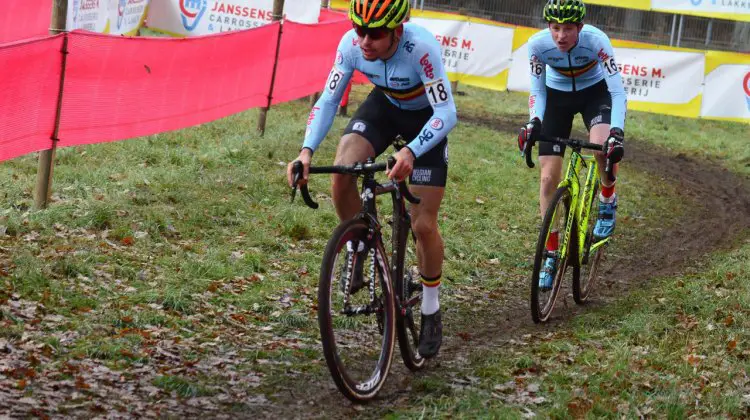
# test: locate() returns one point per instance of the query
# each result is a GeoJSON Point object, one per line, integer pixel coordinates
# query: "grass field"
{"type": "Point", "coordinates": [172, 270]}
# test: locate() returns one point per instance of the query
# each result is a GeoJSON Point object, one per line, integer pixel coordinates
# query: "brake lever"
{"type": "Point", "coordinates": [608, 166]}
{"type": "Point", "coordinates": [297, 171]}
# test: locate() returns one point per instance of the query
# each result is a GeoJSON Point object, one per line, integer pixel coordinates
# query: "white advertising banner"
{"type": "Point", "coordinates": [201, 17]}
{"type": "Point", "coordinates": [727, 92]}
{"type": "Point", "coordinates": [470, 48]}
{"type": "Point", "coordinates": [518, 80]}
{"type": "Point", "coordinates": [106, 16]}
{"type": "Point", "coordinates": [706, 7]}
{"type": "Point", "coordinates": [668, 77]}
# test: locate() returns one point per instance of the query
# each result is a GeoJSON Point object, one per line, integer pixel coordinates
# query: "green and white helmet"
{"type": "Point", "coordinates": [564, 11]}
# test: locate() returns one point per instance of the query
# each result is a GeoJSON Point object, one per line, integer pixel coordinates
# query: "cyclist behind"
{"type": "Point", "coordinates": [411, 98]}
{"type": "Point", "coordinates": [573, 70]}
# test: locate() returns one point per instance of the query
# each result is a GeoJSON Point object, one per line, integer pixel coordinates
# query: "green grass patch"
{"type": "Point", "coordinates": [188, 239]}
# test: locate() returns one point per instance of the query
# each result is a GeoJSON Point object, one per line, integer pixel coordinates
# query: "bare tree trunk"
{"type": "Point", "coordinates": [43, 190]}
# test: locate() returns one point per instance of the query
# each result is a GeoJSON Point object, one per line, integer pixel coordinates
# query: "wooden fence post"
{"type": "Point", "coordinates": [43, 189]}
{"type": "Point", "coordinates": [278, 13]}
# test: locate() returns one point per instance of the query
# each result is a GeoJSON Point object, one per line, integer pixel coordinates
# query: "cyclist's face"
{"type": "Point", "coordinates": [375, 43]}
{"type": "Point", "coordinates": [565, 35]}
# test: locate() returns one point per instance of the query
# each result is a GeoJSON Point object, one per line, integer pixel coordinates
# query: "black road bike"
{"type": "Point", "coordinates": [366, 296]}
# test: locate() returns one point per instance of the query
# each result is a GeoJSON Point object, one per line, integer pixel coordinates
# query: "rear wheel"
{"type": "Point", "coordinates": [408, 291]}
{"type": "Point", "coordinates": [357, 327]}
{"type": "Point", "coordinates": [555, 220]}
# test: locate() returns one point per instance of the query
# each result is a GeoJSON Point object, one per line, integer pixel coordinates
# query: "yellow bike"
{"type": "Point", "coordinates": [569, 220]}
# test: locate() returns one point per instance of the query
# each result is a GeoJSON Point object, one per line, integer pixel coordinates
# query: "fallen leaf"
{"type": "Point", "coordinates": [128, 240]}
{"type": "Point", "coordinates": [731, 345]}
{"type": "Point", "coordinates": [81, 383]}
{"type": "Point", "coordinates": [729, 320]}
{"type": "Point", "coordinates": [464, 336]}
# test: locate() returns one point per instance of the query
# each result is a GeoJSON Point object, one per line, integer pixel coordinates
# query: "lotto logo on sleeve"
{"type": "Point", "coordinates": [746, 85]}
{"type": "Point", "coordinates": [437, 124]}
{"type": "Point", "coordinates": [429, 71]}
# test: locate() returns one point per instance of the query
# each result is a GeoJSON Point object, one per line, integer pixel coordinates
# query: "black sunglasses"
{"type": "Point", "coordinates": [373, 33]}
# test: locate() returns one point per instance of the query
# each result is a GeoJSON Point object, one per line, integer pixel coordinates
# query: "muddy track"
{"type": "Point", "coordinates": [717, 217]}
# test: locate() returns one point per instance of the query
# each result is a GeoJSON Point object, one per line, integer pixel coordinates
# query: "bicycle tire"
{"type": "Point", "coordinates": [407, 326]}
{"type": "Point", "coordinates": [338, 346]}
{"type": "Point", "coordinates": [589, 270]}
{"type": "Point", "coordinates": [561, 201]}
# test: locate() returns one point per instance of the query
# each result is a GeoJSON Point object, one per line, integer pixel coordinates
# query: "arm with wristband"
{"type": "Point", "coordinates": [428, 63]}
{"type": "Point", "coordinates": [324, 111]}
{"type": "Point", "coordinates": [614, 145]}
{"type": "Point", "coordinates": [537, 98]}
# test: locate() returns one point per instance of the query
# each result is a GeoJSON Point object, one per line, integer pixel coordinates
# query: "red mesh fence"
{"type": "Point", "coordinates": [122, 87]}
{"type": "Point", "coordinates": [306, 55]}
{"type": "Point", "coordinates": [328, 15]}
{"type": "Point", "coordinates": [22, 19]}
{"type": "Point", "coordinates": [29, 88]}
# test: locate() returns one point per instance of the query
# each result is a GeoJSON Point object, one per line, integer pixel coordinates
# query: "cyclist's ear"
{"type": "Point", "coordinates": [399, 30]}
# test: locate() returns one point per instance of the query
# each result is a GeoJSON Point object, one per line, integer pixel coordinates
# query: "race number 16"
{"type": "Point", "coordinates": [536, 68]}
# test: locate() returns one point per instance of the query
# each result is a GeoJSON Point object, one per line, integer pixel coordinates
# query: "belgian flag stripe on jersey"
{"type": "Point", "coordinates": [575, 71]}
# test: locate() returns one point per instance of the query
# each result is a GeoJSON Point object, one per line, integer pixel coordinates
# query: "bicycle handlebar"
{"type": "Point", "coordinates": [355, 169]}
{"type": "Point", "coordinates": [573, 144]}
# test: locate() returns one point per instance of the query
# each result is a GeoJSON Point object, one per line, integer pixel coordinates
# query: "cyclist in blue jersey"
{"type": "Point", "coordinates": [573, 70]}
{"type": "Point", "coordinates": [411, 99]}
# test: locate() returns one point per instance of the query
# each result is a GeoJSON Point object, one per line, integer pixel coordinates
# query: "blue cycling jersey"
{"type": "Point", "coordinates": [413, 78]}
{"type": "Point", "coordinates": [587, 63]}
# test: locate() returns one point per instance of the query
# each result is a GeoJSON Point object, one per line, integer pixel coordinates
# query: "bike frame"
{"type": "Point", "coordinates": [371, 189]}
{"type": "Point", "coordinates": [580, 205]}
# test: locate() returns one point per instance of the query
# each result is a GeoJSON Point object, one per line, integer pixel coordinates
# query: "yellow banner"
{"type": "Point", "coordinates": [632, 4]}
{"type": "Point", "coordinates": [719, 9]}
{"type": "Point", "coordinates": [726, 95]}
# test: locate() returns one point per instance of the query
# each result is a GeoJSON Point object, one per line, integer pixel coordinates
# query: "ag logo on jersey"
{"type": "Point", "coordinates": [426, 136]}
{"type": "Point", "coordinates": [409, 46]}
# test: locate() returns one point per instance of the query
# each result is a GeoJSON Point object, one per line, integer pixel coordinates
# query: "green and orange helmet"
{"type": "Point", "coordinates": [564, 11]}
{"type": "Point", "coordinates": [378, 13]}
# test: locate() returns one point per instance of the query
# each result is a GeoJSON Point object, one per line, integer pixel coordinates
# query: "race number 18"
{"type": "Point", "coordinates": [436, 92]}
{"type": "Point", "coordinates": [334, 79]}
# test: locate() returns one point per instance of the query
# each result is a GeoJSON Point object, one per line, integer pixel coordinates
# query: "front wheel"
{"type": "Point", "coordinates": [356, 310]}
{"type": "Point", "coordinates": [551, 256]}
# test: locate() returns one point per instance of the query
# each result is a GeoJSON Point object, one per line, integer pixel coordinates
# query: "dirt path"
{"type": "Point", "coordinates": [714, 223]}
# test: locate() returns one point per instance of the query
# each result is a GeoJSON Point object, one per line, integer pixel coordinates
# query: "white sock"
{"type": "Point", "coordinates": [350, 246]}
{"type": "Point", "coordinates": [607, 200]}
{"type": "Point", "coordinates": [430, 299]}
